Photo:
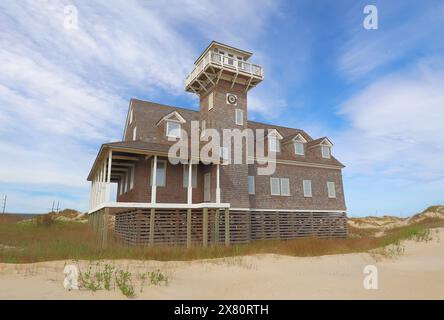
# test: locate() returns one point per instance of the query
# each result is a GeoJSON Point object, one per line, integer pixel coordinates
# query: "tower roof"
{"type": "Point", "coordinates": [215, 44]}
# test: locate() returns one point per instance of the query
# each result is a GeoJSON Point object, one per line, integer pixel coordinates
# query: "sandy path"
{"type": "Point", "coordinates": [418, 274]}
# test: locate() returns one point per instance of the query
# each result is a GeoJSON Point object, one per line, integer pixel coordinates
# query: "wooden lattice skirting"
{"type": "Point", "coordinates": [186, 227]}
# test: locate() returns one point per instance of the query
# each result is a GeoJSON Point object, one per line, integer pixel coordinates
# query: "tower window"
{"type": "Point", "coordinates": [239, 117]}
{"type": "Point", "coordinates": [134, 133]}
{"type": "Point", "coordinates": [210, 101]}
{"type": "Point", "coordinates": [251, 185]}
{"type": "Point", "coordinates": [331, 189]}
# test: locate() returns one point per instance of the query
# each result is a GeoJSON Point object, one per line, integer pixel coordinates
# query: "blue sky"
{"type": "Point", "coordinates": [378, 94]}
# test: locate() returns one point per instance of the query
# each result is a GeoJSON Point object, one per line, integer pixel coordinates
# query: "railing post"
{"type": "Point", "coordinates": [152, 220]}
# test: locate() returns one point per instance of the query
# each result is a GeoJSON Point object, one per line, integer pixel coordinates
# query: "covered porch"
{"type": "Point", "coordinates": [141, 215]}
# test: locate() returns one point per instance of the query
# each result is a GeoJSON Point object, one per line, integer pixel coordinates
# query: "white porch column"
{"type": "Point", "coordinates": [190, 183]}
{"type": "Point", "coordinates": [108, 180]}
{"type": "Point", "coordinates": [218, 183]}
{"type": "Point", "coordinates": [103, 195]}
{"type": "Point", "coordinates": [154, 182]}
{"type": "Point", "coordinates": [91, 194]}
{"type": "Point", "coordinates": [95, 190]}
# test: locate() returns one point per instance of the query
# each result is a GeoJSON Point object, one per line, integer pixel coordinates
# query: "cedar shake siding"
{"type": "Point", "coordinates": [225, 212]}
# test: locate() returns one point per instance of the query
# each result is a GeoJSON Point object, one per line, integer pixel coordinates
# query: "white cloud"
{"type": "Point", "coordinates": [398, 36]}
{"type": "Point", "coordinates": [63, 92]}
{"type": "Point", "coordinates": [396, 126]}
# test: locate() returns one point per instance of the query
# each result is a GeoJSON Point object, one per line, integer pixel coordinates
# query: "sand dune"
{"type": "Point", "coordinates": [418, 274]}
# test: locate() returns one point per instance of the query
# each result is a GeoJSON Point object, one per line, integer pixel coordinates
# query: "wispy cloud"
{"type": "Point", "coordinates": [64, 91]}
{"type": "Point", "coordinates": [396, 126]}
{"type": "Point", "coordinates": [398, 37]}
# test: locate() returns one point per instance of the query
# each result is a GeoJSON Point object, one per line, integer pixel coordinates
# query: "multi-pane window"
{"type": "Point", "coordinates": [285, 187]}
{"type": "Point", "coordinates": [280, 186]}
{"type": "Point", "coordinates": [325, 150]}
{"type": "Point", "coordinates": [251, 185]}
{"type": "Point", "coordinates": [331, 189]}
{"type": "Point", "coordinates": [299, 148]}
{"type": "Point", "coordinates": [273, 144]}
{"type": "Point", "coordinates": [275, 187]}
{"type": "Point", "coordinates": [193, 176]}
{"type": "Point", "coordinates": [173, 129]}
{"type": "Point", "coordinates": [307, 188]}
{"type": "Point", "coordinates": [160, 173]}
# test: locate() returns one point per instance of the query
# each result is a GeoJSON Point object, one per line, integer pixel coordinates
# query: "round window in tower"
{"type": "Point", "coordinates": [231, 99]}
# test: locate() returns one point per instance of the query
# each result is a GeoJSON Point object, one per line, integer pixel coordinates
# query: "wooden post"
{"type": "Point", "coordinates": [216, 226]}
{"type": "Point", "coordinates": [190, 183]}
{"type": "Point", "coordinates": [105, 227]}
{"type": "Point", "coordinates": [154, 182]}
{"type": "Point", "coordinates": [152, 216]}
{"type": "Point", "coordinates": [189, 227]}
{"type": "Point", "coordinates": [205, 227]}
{"type": "Point", "coordinates": [227, 226]}
{"type": "Point", "coordinates": [217, 183]}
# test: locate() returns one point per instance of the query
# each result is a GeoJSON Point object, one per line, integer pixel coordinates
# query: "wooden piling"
{"type": "Point", "coordinates": [189, 227]}
{"type": "Point", "coordinates": [205, 227]}
{"type": "Point", "coordinates": [227, 226]}
{"type": "Point", "coordinates": [152, 220]}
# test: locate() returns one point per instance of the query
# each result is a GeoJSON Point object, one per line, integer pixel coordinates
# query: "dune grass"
{"type": "Point", "coordinates": [27, 242]}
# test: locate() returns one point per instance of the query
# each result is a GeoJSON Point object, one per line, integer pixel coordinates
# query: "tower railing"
{"type": "Point", "coordinates": [229, 63]}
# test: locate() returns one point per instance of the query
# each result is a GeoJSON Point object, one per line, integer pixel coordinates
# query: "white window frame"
{"type": "Point", "coordinates": [193, 176]}
{"type": "Point", "coordinates": [278, 192]}
{"type": "Point", "coordinates": [164, 174]}
{"type": "Point", "coordinates": [168, 123]}
{"type": "Point", "coordinates": [299, 143]}
{"type": "Point", "coordinates": [324, 155]}
{"type": "Point", "coordinates": [210, 101]}
{"type": "Point", "coordinates": [277, 144]}
{"type": "Point", "coordinates": [239, 117]}
{"type": "Point", "coordinates": [251, 185]}
{"type": "Point", "coordinates": [307, 193]}
{"type": "Point", "coordinates": [135, 133]}
{"type": "Point", "coordinates": [331, 189]}
{"type": "Point", "coordinates": [287, 181]}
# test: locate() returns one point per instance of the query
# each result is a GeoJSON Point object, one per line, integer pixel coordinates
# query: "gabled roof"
{"type": "Point", "coordinates": [172, 116]}
{"type": "Point", "coordinates": [323, 141]}
{"type": "Point", "coordinates": [294, 137]}
{"type": "Point", "coordinates": [274, 132]}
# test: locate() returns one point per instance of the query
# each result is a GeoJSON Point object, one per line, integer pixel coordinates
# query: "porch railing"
{"type": "Point", "coordinates": [228, 63]}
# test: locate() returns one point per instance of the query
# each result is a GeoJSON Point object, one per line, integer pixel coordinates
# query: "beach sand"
{"type": "Point", "coordinates": [417, 274]}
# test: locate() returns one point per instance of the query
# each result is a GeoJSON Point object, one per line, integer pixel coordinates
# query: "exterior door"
{"type": "Point", "coordinates": [207, 187]}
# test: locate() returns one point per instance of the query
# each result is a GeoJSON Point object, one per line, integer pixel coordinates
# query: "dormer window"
{"type": "Point", "coordinates": [325, 152]}
{"type": "Point", "coordinates": [299, 145]}
{"type": "Point", "coordinates": [173, 124]}
{"type": "Point", "coordinates": [173, 129]}
{"type": "Point", "coordinates": [326, 148]}
{"type": "Point", "coordinates": [274, 141]}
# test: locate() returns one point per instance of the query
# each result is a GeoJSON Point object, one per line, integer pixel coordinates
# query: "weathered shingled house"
{"type": "Point", "coordinates": [215, 203]}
